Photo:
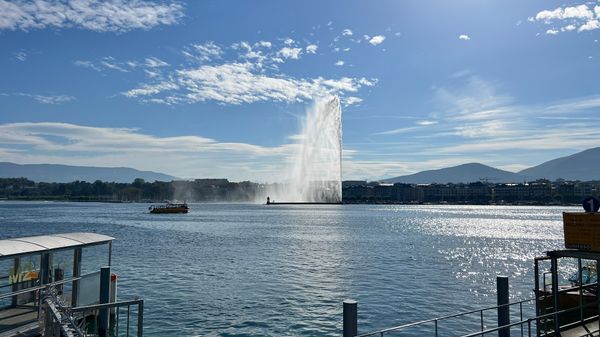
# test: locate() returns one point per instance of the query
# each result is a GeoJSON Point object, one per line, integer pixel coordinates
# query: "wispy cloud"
{"type": "Point", "coordinates": [87, 64]}
{"type": "Point", "coordinates": [237, 83]}
{"type": "Point", "coordinates": [474, 120]}
{"type": "Point", "coordinates": [44, 99]}
{"type": "Point", "coordinates": [311, 49]}
{"type": "Point", "coordinates": [20, 56]}
{"type": "Point", "coordinates": [464, 37]}
{"type": "Point", "coordinates": [289, 53]}
{"type": "Point", "coordinates": [152, 89]}
{"type": "Point", "coordinates": [195, 156]}
{"type": "Point", "coordinates": [347, 32]}
{"type": "Point", "coordinates": [204, 52]}
{"type": "Point", "coordinates": [397, 131]}
{"type": "Point", "coordinates": [351, 100]}
{"type": "Point", "coordinates": [584, 17]}
{"type": "Point", "coordinates": [238, 73]}
{"type": "Point", "coordinates": [376, 40]}
{"type": "Point", "coordinates": [241, 73]}
{"type": "Point", "coordinates": [109, 63]}
{"type": "Point", "coordinates": [154, 62]}
{"type": "Point", "coordinates": [96, 15]}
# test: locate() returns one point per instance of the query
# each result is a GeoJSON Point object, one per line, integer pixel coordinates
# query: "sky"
{"type": "Point", "coordinates": [218, 89]}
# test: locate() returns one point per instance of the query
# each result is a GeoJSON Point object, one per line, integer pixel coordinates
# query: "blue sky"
{"type": "Point", "coordinates": [218, 88]}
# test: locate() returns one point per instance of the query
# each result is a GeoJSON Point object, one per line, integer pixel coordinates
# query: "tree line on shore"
{"type": "Point", "coordinates": [137, 191]}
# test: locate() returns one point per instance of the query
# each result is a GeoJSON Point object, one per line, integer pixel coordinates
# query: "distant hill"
{"type": "Point", "coordinates": [66, 173]}
{"type": "Point", "coordinates": [584, 166]}
{"type": "Point", "coordinates": [465, 173]}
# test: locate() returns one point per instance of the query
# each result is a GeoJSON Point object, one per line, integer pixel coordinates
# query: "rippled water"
{"type": "Point", "coordinates": [256, 270]}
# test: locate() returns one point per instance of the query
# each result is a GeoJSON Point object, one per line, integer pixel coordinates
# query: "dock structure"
{"type": "Point", "coordinates": [61, 285]}
{"type": "Point", "coordinates": [567, 309]}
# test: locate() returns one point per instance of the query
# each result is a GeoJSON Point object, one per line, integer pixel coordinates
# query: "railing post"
{"type": "Point", "coordinates": [350, 318]}
{"type": "Point", "coordinates": [555, 301]}
{"type": "Point", "coordinates": [104, 298]}
{"type": "Point", "coordinates": [504, 311]}
{"type": "Point", "coordinates": [140, 328]}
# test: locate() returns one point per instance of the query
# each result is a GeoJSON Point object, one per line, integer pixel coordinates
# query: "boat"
{"type": "Point", "coordinates": [169, 208]}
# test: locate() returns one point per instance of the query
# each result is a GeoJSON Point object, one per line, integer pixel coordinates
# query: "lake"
{"type": "Point", "coordinates": [257, 270]}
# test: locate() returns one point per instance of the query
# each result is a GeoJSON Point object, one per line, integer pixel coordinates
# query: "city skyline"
{"type": "Point", "coordinates": [218, 89]}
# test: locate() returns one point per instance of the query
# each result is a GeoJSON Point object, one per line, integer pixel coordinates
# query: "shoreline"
{"type": "Point", "coordinates": [84, 200]}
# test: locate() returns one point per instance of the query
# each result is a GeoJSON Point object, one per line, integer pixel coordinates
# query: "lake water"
{"type": "Point", "coordinates": [256, 270]}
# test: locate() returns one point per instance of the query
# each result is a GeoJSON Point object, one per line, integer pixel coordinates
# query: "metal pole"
{"type": "Point", "coordinates": [555, 303]}
{"type": "Point", "coordinates": [536, 291]}
{"type": "Point", "coordinates": [110, 253]}
{"type": "Point", "coordinates": [104, 298]}
{"type": "Point", "coordinates": [504, 310]}
{"type": "Point", "coordinates": [76, 273]}
{"type": "Point", "coordinates": [45, 268]}
{"type": "Point", "coordinates": [350, 318]}
{"type": "Point", "coordinates": [140, 328]}
{"type": "Point", "coordinates": [481, 316]}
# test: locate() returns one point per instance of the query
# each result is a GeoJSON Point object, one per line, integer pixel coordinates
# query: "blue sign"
{"type": "Point", "coordinates": [591, 204]}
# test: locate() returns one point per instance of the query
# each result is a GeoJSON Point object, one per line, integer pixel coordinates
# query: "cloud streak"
{"type": "Point", "coordinates": [44, 99]}
{"type": "Point", "coordinates": [238, 83]}
{"type": "Point", "coordinates": [95, 15]}
{"type": "Point", "coordinates": [195, 156]}
{"type": "Point", "coordinates": [473, 120]}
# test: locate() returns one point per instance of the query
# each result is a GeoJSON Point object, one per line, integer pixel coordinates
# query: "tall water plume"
{"type": "Point", "coordinates": [315, 174]}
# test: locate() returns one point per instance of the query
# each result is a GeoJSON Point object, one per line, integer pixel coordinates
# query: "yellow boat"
{"type": "Point", "coordinates": [169, 208]}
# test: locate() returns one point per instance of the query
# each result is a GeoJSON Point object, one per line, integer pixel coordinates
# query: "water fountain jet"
{"type": "Point", "coordinates": [315, 173]}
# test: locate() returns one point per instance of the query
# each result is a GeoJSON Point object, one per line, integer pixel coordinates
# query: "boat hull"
{"type": "Point", "coordinates": [169, 209]}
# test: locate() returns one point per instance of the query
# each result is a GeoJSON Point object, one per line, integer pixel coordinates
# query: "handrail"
{"type": "Point", "coordinates": [107, 305]}
{"type": "Point", "coordinates": [69, 319]}
{"type": "Point", "coordinates": [61, 313]}
{"type": "Point", "coordinates": [117, 305]}
{"type": "Point", "coordinates": [484, 332]}
{"type": "Point", "coordinates": [529, 320]}
{"type": "Point", "coordinates": [40, 287]}
{"type": "Point", "coordinates": [432, 320]}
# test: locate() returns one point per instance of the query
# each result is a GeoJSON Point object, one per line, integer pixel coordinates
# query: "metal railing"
{"type": "Point", "coordinates": [528, 322]}
{"type": "Point", "coordinates": [59, 318]}
{"type": "Point", "coordinates": [37, 288]}
{"type": "Point", "coordinates": [126, 318]}
{"type": "Point", "coordinates": [436, 321]}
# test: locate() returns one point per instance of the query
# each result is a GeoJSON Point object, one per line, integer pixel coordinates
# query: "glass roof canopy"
{"type": "Point", "coordinates": [46, 243]}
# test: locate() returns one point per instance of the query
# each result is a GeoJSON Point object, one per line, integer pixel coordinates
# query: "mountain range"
{"type": "Point", "coordinates": [66, 173]}
{"type": "Point", "coordinates": [584, 166]}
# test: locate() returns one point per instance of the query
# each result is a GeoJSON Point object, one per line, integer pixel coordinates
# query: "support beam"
{"type": "Point", "coordinates": [76, 273]}
{"type": "Point", "coordinates": [104, 298]}
{"type": "Point", "coordinates": [504, 311]}
{"type": "Point", "coordinates": [350, 318]}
